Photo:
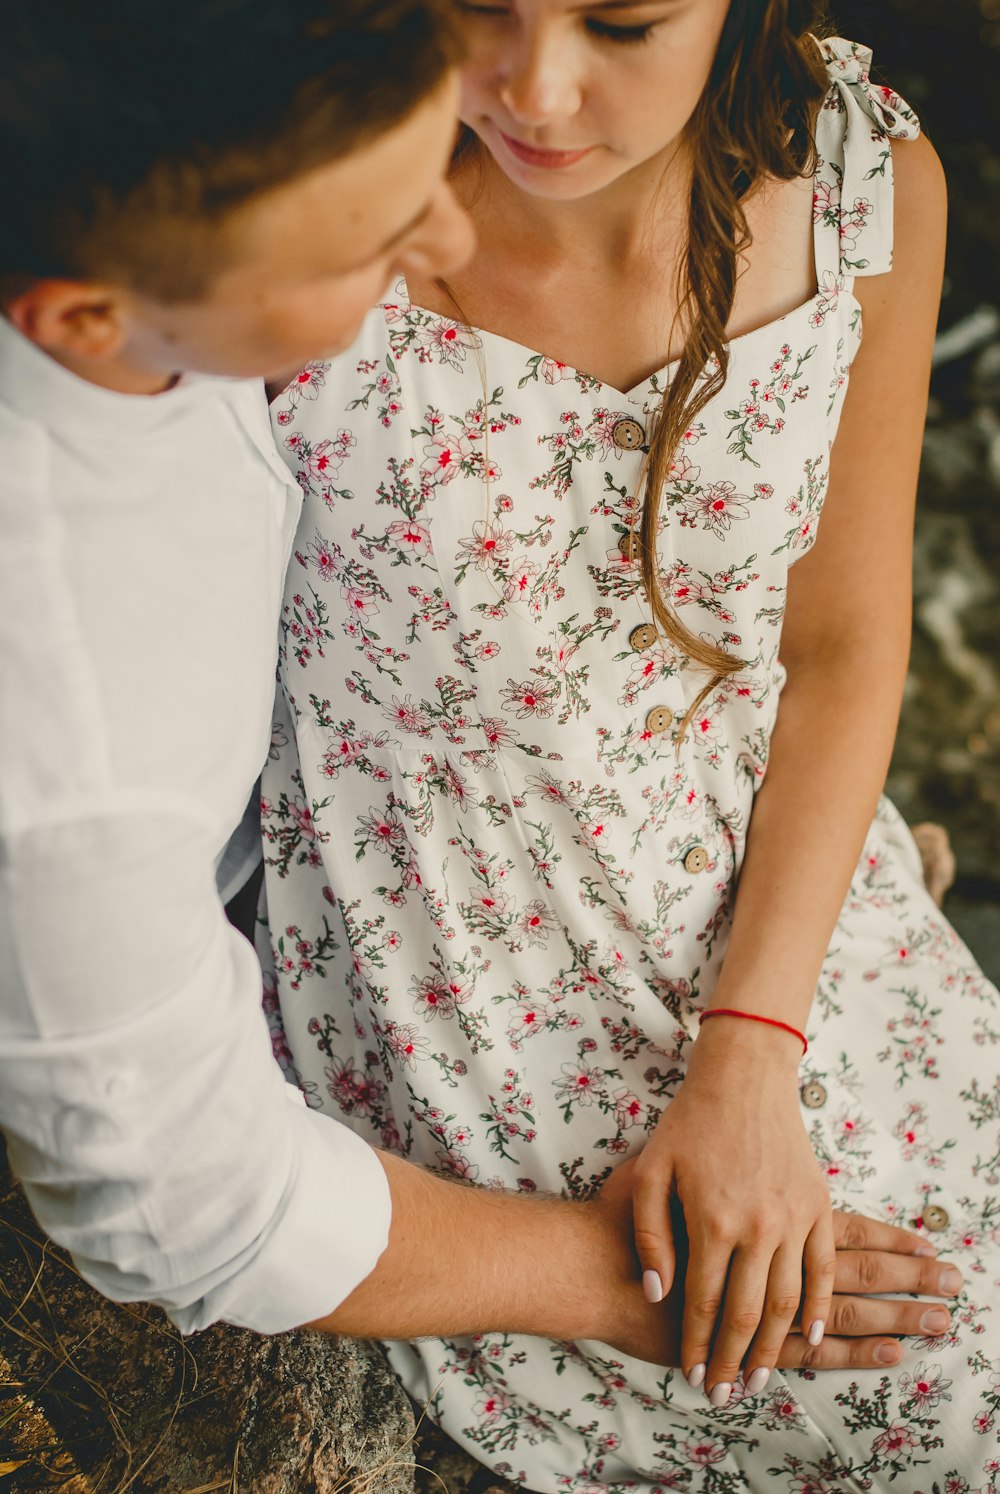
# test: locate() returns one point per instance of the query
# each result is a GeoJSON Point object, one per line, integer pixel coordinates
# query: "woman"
{"type": "Point", "coordinates": [564, 510]}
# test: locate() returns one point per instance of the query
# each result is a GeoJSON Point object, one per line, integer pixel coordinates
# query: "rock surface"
{"type": "Point", "coordinates": [101, 1397]}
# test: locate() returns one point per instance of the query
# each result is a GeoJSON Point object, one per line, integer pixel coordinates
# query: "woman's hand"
{"type": "Point", "coordinates": [732, 1150]}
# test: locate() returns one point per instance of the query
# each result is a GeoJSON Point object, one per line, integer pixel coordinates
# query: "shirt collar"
{"type": "Point", "coordinates": [45, 392]}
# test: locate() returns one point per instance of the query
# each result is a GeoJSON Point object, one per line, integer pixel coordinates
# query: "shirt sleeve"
{"type": "Point", "coordinates": [153, 1132]}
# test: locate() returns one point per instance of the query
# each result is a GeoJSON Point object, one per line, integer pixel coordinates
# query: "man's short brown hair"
{"type": "Point", "coordinates": [122, 120]}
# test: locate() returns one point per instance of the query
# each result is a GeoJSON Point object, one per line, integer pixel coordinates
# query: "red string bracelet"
{"type": "Point", "coordinates": [725, 1011]}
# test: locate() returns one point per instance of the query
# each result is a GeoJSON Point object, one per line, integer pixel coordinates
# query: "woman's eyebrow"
{"type": "Point", "coordinates": [628, 5]}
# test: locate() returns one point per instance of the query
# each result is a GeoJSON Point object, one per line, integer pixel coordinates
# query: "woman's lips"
{"type": "Point", "coordinates": [548, 159]}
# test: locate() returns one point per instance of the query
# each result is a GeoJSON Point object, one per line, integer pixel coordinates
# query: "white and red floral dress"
{"type": "Point", "coordinates": [499, 898]}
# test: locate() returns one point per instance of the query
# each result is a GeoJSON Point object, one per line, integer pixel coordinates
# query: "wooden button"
{"type": "Point", "coordinates": [628, 545]}
{"type": "Point", "coordinates": [627, 434]}
{"type": "Point", "coordinates": [696, 860]}
{"type": "Point", "coordinates": [936, 1218]}
{"type": "Point", "coordinates": [658, 720]}
{"type": "Point", "coordinates": [813, 1095]}
{"type": "Point", "coordinates": [642, 637]}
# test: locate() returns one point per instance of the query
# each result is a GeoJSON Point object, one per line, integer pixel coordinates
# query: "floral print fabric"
{"type": "Point", "coordinates": [499, 879]}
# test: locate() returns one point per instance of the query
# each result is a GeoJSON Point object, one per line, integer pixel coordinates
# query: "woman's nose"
{"type": "Point", "coordinates": [538, 84]}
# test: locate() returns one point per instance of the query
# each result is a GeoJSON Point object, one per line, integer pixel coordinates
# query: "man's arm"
{"type": "Point", "coordinates": [464, 1260]}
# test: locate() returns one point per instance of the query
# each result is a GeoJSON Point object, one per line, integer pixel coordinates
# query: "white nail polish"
{"type": "Point", "coordinates": [652, 1286]}
{"type": "Point", "coordinates": [720, 1395]}
{"type": "Point", "coordinates": [696, 1377]}
{"type": "Point", "coordinates": [757, 1381]}
{"type": "Point", "coordinates": [816, 1331]}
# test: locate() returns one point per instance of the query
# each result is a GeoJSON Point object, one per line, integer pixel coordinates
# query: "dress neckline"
{"type": "Point", "coordinates": [827, 296]}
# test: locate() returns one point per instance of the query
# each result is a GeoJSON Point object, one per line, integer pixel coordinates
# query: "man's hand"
{"type": "Point", "coordinates": [871, 1258]}
{"type": "Point", "coordinates": [464, 1260]}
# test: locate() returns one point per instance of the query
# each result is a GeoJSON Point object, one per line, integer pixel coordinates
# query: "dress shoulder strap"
{"type": "Point", "coordinates": [853, 186]}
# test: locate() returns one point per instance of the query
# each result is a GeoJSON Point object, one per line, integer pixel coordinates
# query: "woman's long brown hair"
{"type": "Point", "coordinates": [754, 122]}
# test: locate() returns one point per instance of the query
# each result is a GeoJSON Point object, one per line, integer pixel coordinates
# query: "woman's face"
{"type": "Point", "coordinates": [567, 96]}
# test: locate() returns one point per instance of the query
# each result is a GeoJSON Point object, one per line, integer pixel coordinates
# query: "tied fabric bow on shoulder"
{"type": "Point", "coordinates": [854, 184]}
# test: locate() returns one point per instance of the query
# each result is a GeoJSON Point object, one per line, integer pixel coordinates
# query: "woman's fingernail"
{"type": "Point", "coordinates": [816, 1331]}
{"type": "Point", "coordinates": [935, 1322]}
{"type": "Point", "coordinates": [927, 1250]}
{"type": "Point", "coordinates": [652, 1286]}
{"type": "Point", "coordinates": [950, 1280]}
{"type": "Point", "coordinates": [888, 1354]}
{"type": "Point", "coordinates": [757, 1381]}
{"type": "Point", "coordinates": [696, 1377]}
{"type": "Point", "coordinates": [720, 1395]}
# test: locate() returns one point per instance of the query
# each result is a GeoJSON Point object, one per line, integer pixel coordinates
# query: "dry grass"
{"type": "Point", "coordinates": [65, 1408]}
{"type": "Point", "coordinates": [64, 1429]}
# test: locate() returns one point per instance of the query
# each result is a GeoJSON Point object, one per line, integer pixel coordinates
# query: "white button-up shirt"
{"type": "Point", "coordinates": [143, 542]}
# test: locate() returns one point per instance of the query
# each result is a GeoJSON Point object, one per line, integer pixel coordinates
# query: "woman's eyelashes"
{"type": "Point", "coordinates": [620, 33]}
{"type": "Point", "coordinates": [603, 30]}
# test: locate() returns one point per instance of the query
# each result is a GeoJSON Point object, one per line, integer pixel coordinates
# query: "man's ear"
{"type": "Point", "coordinates": [75, 319]}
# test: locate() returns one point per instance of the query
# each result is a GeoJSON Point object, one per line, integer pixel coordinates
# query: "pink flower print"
{"type": "Point", "coordinates": [459, 1167]}
{"type": "Point", "coordinates": [702, 1451]}
{"type": "Point", "coordinates": [580, 1083]}
{"type": "Point", "coordinates": [393, 313]}
{"type": "Point", "coordinates": [519, 579]}
{"type": "Point", "coordinates": [491, 1405]}
{"type": "Point", "coordinates": [827, 298]}
{"type": "Point", "coordinates": [911, 1130]}
{"type": "Point", "coordinates": [895, 1439]}
{"type": "Point", "coordinates": [983, 1423]}
{"type": "Point", "coordinates": [384, 830]}
{"type": "Point", "coordinates": [443, 457]}
{"type": "Point", "coordinates": [602, 429]}
{"type": "Point", "coordinates": [457, 788]}
{"type": "Point", "coordinates": [851, 223]}
{"type": "Point", "coordinates": [450, 340]}
{"type": "Point", "coordinates": [497, 732]}
{"type": "Point", "coordinates": [925, 1387]}
{"type": "Point", "coordinates": [682, 588]}
{"type": "Point", "coordinates": [410, 537]}
{"type": "Point", "coordinates": [851, 1128]}
{"type": "Point", "coordinates": [536, 922]}
{"type": "Point", "coordinates": [534, 697]}
{"type": "Point", "coordinates": [303, 817]}
{"type": "Point", "coordinates": [310, 380]}
{"type": "Point", "coordinates": [404, 1043]}
{"type": "Point", "coordinates": [341, 753]}
{"type": "Point", "coordinates": [360, 603]}
{"type": "Point", "coordinates": [356, 1093]}
{"type": "Point", "coordinates": [487, 546]}
{"type": "Point", "coordinates": [491, 904]}
{"type": "Point", "coordinates": [719, 505]}
{"type": "Point", "coordinates": [782, 1410]}
{"type": "Point", "coordinates": [407, 716]}
{"type": "Point", "coordinates": [629, 1109]}
{"type": "Point", "coordinates": [553, 372]}
{"type": "Point", "coordinates": [326, 557]}
{"type": "Point", "coordinates": [526, 1018]}
{"type": "Point", "coordinates": [826, 201]}
{"type": "Point", "coordinates": [324, 461]}
{"type": "Point", "coordinates": [432, 998]}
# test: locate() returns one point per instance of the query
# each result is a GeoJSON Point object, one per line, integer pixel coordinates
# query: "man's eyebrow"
{"type": "Point", "coordinates": [397, 238]}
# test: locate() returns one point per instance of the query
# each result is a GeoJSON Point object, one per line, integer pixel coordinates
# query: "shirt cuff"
{"type": "Point", "coordinates": [328, 1233]}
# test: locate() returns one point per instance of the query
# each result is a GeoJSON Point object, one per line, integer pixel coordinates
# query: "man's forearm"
{"type": "Point", "coordinates": [466, 1260]}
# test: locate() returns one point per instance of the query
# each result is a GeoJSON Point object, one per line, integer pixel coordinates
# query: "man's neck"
{"type": "Point", "coordinates": [117, 374]}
